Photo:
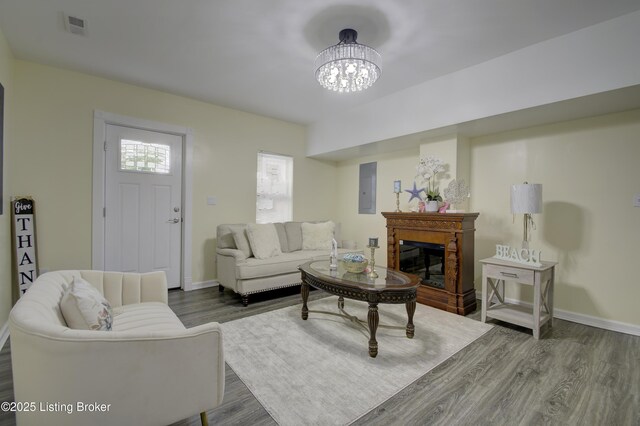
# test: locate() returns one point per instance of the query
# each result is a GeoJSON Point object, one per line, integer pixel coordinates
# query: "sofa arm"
{"type": "Point", "coordinates": [141, 378]}
{"type": "Point", "coordinates": [236, 254]}
{"type": "Point", "coordinates": [226, 266]}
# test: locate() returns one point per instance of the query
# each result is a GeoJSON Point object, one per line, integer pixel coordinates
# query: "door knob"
{"type": "Point", "coordinates": [173, 220]}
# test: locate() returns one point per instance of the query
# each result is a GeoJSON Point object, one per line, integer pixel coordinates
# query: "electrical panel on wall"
{"type": "Point", "coordinates": [367, 189]}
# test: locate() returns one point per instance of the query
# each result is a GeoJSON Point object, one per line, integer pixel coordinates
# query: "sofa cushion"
{"type": "Point", "coordinates": [286, 263]}
{"type": "Point", "coordinates": [282, 237]}
{"type": "Point", "coordinates": [263, 239]}
{"type": "Point", "coordinates": [317, 236]}
{"type": "Point", "coordinates": [147, 316]}
{"type": "Point", "coordinates": [241, 239]}
{"type": "Point", "coordinates": [84, 308]}
{"type": "Point", "coordinates": [294, 235]}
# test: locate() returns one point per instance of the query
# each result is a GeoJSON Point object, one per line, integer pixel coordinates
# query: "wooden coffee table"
{"type": "Point", "coordinates": [390, 287]}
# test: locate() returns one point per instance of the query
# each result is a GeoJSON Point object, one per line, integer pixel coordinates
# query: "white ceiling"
{"type": "Point", "coordinates": [257, 55]}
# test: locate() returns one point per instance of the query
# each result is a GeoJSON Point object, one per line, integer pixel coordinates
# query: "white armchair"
{"type": "Point", "coordinates": [148, 370]}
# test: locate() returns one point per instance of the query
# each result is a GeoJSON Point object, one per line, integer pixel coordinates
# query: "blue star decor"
{"type": "Point", "coordinates": [415, 192]}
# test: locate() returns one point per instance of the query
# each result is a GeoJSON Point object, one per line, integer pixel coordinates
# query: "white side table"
{"type": "Point", "coordinates": [495, 272]}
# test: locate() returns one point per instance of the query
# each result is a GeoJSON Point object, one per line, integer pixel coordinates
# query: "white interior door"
{"type": "Point", "coordinates": [143, 202]}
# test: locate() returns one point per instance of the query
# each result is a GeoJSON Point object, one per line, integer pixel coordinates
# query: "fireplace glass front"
{"type": "Point", "coordinates": [425, 260]}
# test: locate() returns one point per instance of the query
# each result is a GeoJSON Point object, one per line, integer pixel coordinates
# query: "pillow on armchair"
{"type": "Point", "coordinates": [84, 308]}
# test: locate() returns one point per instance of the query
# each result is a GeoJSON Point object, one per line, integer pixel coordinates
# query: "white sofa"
{"type": "Point", "coordinates": [148, 370]}
{"type": "Point", "coordinates": [241, 272]}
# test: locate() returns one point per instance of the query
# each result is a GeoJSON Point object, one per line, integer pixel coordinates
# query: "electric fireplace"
{"type": "Point", "coordinates": [439, 248]}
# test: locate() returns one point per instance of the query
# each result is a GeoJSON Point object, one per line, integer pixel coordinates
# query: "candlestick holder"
{"type": "Point", "coordinates": [372, 262]}
{"type": "Point", "coordinates": [398, 203]}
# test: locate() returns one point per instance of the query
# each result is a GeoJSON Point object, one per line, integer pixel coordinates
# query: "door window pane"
{"type": "Point", "coordinates": [137, 156]}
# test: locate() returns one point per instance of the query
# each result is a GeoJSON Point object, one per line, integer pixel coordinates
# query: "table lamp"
{"type": "Point", "coordinates": [526, 198]}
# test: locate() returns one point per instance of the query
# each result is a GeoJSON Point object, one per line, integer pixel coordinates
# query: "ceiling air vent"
{"type": "Point", "coordinates": [75, 25]}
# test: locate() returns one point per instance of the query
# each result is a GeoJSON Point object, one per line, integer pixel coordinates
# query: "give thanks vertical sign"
{"type": "Point", "coordinates": [23, 225]}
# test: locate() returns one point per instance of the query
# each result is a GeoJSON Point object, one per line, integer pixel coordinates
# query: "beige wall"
{"type": "Point", "coordinates": [359, 227]}
{"type": "Point", "coordinates": [589, 172]}
{"type": "Point", "coordinates": [6, 78]}
{"type": "Point", "coordinates": [53, 146]}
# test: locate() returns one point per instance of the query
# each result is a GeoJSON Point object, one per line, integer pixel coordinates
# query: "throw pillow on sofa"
{"type": "Point", "coordinates": [84, 308]}
{"type": "Point", "coordinates": [241, 239]}
{"type": "Point", "coordinates": [294, 235]}
{"type": "Point", "coordinates": [282, 237]}
{"type": "Point", "coordinates": [317, 236]}
{"type": "Point", "coordinates": [263, 239]}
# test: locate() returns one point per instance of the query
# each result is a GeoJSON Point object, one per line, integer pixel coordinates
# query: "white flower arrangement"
{"type": "Point", "coordinates": [427, 169]}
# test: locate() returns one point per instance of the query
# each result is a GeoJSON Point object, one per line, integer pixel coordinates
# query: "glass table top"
{"type": "Point", "coordinates": [387, 278]}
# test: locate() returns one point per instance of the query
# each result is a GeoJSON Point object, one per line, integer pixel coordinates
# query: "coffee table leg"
{"type": "Point", "coordinates": [373, 326]}
{"type": "Point", "coordinates": [411, 309]}
{"type": "Point", "coordinates": [304, 291]}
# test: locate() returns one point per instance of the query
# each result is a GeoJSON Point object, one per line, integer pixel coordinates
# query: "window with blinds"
{"type": "Point", "coordinates": [274, 201]}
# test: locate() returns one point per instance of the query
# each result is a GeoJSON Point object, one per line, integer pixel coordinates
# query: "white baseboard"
{"type": "Point", "coordinates": [611, 325]}
{"type": "Point", "coordinates": [203, 284]}
{"type": "Point", "coordinates": [589, 320]}
{"type": "Point", "coordinates": [4, 334]}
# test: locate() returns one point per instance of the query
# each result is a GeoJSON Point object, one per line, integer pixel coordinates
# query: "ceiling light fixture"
{"type": "Point", "coordinates": [347, 66]}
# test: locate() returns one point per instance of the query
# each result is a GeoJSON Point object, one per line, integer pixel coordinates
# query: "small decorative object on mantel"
{"type": "Point", "coordinates": [431, 206]}
{"type": "Point", "coordinates": [443, 208]}
{"type": "Point", "coordinates": [523, 255]}
{"type": "Point", "coordinates": [428, 169]}
{"type": "Point", "coordinates": [415, 192]}
{"type": "Point", "coordinates": [455, 193]}
{"type": "Point", "coordinates": [397, 189]}
{"type": "Point", "coordinates": [373, 245]}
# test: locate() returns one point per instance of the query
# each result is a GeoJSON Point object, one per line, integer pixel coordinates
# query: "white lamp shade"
{"type": "Point", "coordinates": [526, 198]}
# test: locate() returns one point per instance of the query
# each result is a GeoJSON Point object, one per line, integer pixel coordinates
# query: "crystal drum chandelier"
{"type": "Point", "coordinates": [347, 66]}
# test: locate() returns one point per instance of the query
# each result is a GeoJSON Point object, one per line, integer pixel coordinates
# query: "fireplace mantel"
{"type": "Point", "coordinates": [455, 231]}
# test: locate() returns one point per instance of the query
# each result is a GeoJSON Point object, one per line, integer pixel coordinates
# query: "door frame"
{"type": "Point", "coordinates": [100, 121]}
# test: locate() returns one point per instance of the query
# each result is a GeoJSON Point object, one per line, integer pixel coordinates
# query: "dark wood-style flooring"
{"type": "Point", "coordinates": [573, 375]}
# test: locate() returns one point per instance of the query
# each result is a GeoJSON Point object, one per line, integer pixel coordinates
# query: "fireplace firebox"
{"type": "Point", "coordinates": [425, 260]}
{"type": "Point", "coordinates": [439, 248]}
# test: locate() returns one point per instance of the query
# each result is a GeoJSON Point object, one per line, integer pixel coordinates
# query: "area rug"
{"type": "Point", "coordinates": [318, 372]}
